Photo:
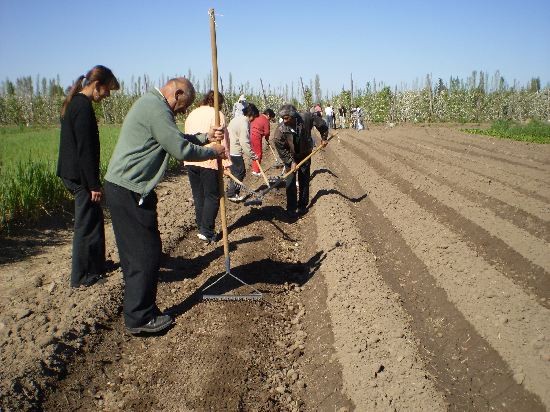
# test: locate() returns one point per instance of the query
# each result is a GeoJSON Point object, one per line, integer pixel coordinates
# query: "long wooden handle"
{"type": "Point", "coordinates": [277, 160]}
{"type": "Point", "coordinates": [223, 216]}
{"type": "Point", "coordinates": [305, 159]}
{"type": "Point", "coordinates": [232, 177]}
{"type": "Point", "coordinates": [263, 173]}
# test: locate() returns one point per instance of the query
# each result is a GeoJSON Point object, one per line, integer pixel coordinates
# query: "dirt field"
{"type": "Point", "coordinates": [418, 280]}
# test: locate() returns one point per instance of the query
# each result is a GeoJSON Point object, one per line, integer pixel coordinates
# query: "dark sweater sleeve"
{"type": "Point", "coordinates": [280, 140]}
{"type": "Point", "coordinates": [87, 145]}
{"type": "Point", "coordinates": [321, 126]}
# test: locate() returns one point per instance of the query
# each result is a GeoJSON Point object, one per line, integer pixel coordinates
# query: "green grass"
{"type": "Point", "coordinates": [534, 131]}
{"type": "Point", "coordinates": [29, 187]}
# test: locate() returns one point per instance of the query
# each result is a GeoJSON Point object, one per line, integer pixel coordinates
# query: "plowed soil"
{"type": "Point", "coordinates": [419, 279]}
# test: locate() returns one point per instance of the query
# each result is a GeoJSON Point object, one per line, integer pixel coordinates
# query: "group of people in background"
{"type": "Point", "coordinates": [356, 118]}
{"type": "Point", "coordinates": [148, 137]}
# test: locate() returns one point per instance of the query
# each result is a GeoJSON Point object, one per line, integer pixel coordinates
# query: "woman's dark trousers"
{"type": "Point", "coordinates": [88, 260]}
{"type": "Point", "coordinates": [206, 197]}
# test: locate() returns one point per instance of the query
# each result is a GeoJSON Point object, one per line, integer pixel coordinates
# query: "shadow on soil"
{"type": "Point", "coordinates": [265, 271]}
{"type": "Point", "coordinates": [322, 171]}
{"type": "Point", "coordinates": [22, 241]}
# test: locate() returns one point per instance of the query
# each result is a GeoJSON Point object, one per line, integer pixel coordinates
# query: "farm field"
{"type": "Point", "coordinates": [418, 280]}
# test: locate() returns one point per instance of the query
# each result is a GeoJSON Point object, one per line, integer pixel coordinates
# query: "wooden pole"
{"type": "Point", "coordinates": [351, 97]}
{"type": "Point", "coordinates": [263, 91]}
{"type": "Point", "coordinates": [303, 90]}
{"type": "Point", "coordinates": [217, 124]}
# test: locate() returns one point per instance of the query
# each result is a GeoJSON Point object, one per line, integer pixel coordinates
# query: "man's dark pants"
{"type": "Point", "coordinates": [139, 247]}
{"type": "Point", "coordinates": [206, 197]}
{"type": "Point", "coordinates": [239, 171]}
{"type": "Point", "coordinates": [88, 258]}
{"type": "Point", "coordinates": [298, 198]}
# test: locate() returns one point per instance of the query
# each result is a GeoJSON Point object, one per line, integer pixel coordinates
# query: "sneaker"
{"type": "Point", "coordinates": [257, 174]}
{"type": "Point", "coordinates": [302, 210]}
{"type": "Point", "coordinates": [212, 239]}
{"type": "Point", "coordinates": [157, 324]}
{"type": "Point", "coordinates": [236, 198]}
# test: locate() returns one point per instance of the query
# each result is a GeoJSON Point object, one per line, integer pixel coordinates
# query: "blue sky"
{"type": "Point", "coordinates": [279, 41]}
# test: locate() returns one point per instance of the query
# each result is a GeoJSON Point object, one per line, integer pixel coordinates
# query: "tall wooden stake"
{"type": "Point", "coordinates": [263, 91]}
{"type": "Point", "coordinates": [351, 97]}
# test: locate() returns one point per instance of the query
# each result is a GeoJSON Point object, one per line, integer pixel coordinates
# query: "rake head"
{"type": "Point", "coordinates": [275, 181]}
{"type": "Point", "coordinates": [252, 296]}
{"type": "Point", "coordinates": [253, 202]}
{"type": "Point", "coordinates": [256, 295]}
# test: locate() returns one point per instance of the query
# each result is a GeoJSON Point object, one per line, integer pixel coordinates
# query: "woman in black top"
{"type": "Point", "coordinates": [78, 167]}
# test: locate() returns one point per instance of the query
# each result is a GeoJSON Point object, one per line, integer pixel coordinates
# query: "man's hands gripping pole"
{"type": "Point", "coordinates": [216, 136]}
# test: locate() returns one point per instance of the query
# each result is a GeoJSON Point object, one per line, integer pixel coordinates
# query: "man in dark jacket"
{"type": "Point", "coordinates": [293, 141]}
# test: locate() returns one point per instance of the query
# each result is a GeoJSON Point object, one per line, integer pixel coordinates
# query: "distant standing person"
{"type": "Point", "coordinates": [78, 167]}
{"type": "Point", "coordinates": [329, 113]}
{"type": "Point", "coordinates": [359, 113]}
{"type": "Point", "coordinates": [317, 110]}
{"type": "Point", "coordinates": [239, 105]}
{"type": "Point", "coordinates": [342, 117]}
{"type": "Point", "coordinates": [293, 141]}
{"type": "Point", "coordinates": [149, 136]}
{"type": "Point", "coordinates": [203, 176]}
{"type": "Point", "coordinates": [239, 142]}
{"type": "Point", "coordinates": [259, 130]}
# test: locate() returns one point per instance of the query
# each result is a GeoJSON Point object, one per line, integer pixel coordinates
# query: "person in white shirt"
{"type": "Point", "coordinates": [239, 145]}
{"type": "Point", "coordinates": [239, 105]}
{"type": "Point", "coordinates": [329, 113]}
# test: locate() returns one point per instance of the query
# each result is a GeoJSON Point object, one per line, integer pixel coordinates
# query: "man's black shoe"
{"type": "Point", "coordinates": [90, 281]}
{"type": "Point", "coordinates": [157, 324]}
{"type": "Point", "coordinates": [291, 214]}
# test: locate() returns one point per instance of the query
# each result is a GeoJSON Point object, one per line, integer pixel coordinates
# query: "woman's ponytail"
{"type": "Point", "coordinates": [76, 87]}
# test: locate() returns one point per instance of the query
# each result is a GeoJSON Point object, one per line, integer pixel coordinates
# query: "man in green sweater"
{"type": "Point", "coordinates": [149, 136]}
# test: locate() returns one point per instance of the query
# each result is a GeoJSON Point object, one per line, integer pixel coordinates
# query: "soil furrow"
{"type": "Point", "coordinates": [508, 163]}
{"type": "Point", "coordinates": [499, 310]}
{"type": "Point", "coordinates": [448, 176]}
{"type": "Point", "coordinates": [468, 372]}
{"type": "Point", "coordinates": [500, 189]}
{"type": "Point", "coordinates": [533, 187]}
{"type": "Point", "coordinates": [538, 157]}
{"type": "Point", "coordinates": [513, 252]}
{"type": "Point", "coordinates": [488, 168]}
{"type": "Point", "coordinates": [374, 343]}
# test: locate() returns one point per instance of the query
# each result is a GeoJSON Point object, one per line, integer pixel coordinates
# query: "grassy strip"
{"type": "Point", "coordinates": [534, 131]}
{"type": "Point", "coordinates": [29, 187]}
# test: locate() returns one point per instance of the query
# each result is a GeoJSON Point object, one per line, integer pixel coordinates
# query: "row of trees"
{"type": "Point", "coordinates": [478, 98]}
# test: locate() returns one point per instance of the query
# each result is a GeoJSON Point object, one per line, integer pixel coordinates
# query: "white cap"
{"type": "Point", "coordinates": [242, 98]}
